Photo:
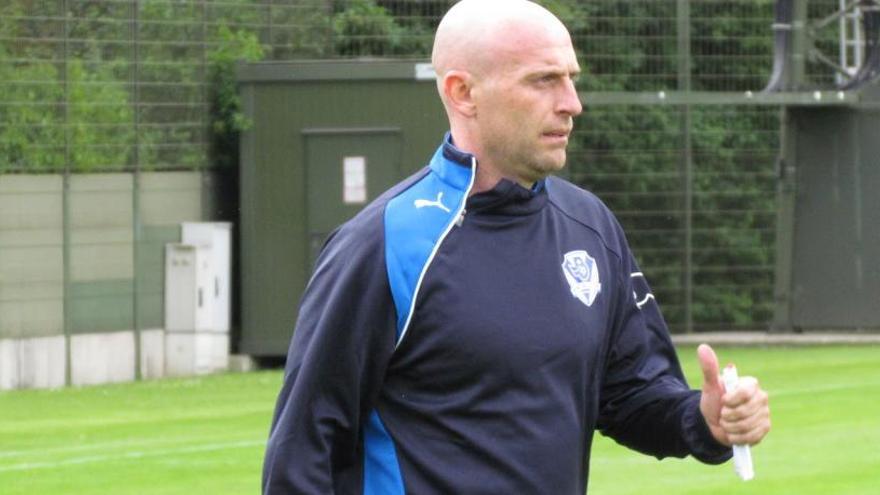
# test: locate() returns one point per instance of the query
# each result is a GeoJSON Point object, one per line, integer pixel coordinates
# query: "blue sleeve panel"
{"type": "Point", "coordinates": [472, 344]}
{"type": "Point", "coordinates": [382, 474]}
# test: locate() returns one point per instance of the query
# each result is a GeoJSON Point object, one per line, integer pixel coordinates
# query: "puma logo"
{"type": "Point", "coordinates": [421, 203]}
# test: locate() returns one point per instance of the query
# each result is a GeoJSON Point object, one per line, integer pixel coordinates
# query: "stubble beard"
{"type": "Point", "coordinates": [529, 161]}
{"type": "Point", "coordinates": [544, 163]}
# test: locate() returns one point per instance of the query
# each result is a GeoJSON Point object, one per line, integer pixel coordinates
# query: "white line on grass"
{"type": "Point", "coordinates": [27, 466]}
{"type": "Point", "coordinates": [822, 388]}
{"type": "Point", "coordinates": [128, 419]}
{"type": "Point", "coordinates": [131, 442]}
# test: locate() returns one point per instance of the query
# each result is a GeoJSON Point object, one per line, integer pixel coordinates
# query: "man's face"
{"type": "Point", "coordinates": [526, 102]}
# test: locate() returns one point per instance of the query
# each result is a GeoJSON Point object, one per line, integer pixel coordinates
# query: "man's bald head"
{"type": "Point", "coordinates": [505, 72]}
{"type": "Point", "coordinates": [474, 33]}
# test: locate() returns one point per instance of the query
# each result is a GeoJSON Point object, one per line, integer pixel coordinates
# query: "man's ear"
{"type": "Point", "coordinates": [458, 89]}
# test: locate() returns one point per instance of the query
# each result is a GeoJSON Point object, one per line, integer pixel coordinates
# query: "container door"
{"type": "Point", "coordinates": [345, 170]}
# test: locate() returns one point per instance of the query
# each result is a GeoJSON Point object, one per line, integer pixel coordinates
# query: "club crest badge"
{"type": "Point", "coordinates": [582, 275]}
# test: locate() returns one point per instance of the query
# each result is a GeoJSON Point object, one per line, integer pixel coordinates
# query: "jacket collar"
{"type": "Point", "coordinates": [453, 166]}
{"type": "Point", "coordinates": [449, 158]}
{"type": "Point", "coordinates": [456, 166]}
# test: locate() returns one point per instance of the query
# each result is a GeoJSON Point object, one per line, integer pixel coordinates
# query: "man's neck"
{"type": "Point", "coordinates": [488, 175]}
{"type": "Point", "coordinates": [487, 178]}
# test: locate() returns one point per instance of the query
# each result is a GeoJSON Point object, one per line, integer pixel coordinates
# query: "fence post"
{"type": "Point", "coordinates": [136, 186]}
{"type": "Point", "coordinates": [65, 197]}
{"type": "Point", "coordinates": [683, 31]}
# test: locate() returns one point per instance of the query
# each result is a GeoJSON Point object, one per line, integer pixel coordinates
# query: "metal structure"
{"type": "Point", "coordinates": [821, 282]}
{"type": "Point", "coordinates": [827, 276]}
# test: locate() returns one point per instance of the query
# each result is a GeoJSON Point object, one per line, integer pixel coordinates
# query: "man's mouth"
{"type": "Point", "coordinates": [557, 135]}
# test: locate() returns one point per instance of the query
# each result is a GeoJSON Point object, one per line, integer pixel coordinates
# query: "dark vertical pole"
{"type": "Point", "coordinates": [136, 188]}
{"type": "Point", "coordinates": [859, 261]}
{"type": "Point", "coordinates": [800, 45]}
{"type": "Point", "coordinates": [684, 84]}
{"type": "Point", "coordinates": [787, 170]}
{"type": "Point", "coordinates": [270, 41]}
{"type": "Point", "coordinates": [65, 198]}
{"type": "Point", "coordinates": [785, 193]}
{"type": "Point", "coordinates": [206, 112]}
{"type": "Point", "coordinates": [209, 175]}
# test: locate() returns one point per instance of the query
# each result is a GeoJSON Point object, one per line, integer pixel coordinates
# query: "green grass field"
{"type": "Point", "coordinates": [206, 436]}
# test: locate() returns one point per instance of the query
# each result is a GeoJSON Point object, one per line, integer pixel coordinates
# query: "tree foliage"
{"type": "Point", "coordinates": [365, 28]}
{"type": "Point", "coordinates": [81, 118]}
{"type": "Point", "coordinates": [227, 119]}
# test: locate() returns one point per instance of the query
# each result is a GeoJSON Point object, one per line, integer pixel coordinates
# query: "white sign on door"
{"type": "Point", "coordinates": [354, 179]}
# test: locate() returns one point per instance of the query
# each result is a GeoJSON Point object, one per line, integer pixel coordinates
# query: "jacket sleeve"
{"type": "Point", "coordinates": [343, 339]}
{"type": "Point", "coordinates": [645, 403]}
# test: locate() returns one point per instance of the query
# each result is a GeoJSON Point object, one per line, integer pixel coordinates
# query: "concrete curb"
{"type": "Point", "coordinates": [765, 338]}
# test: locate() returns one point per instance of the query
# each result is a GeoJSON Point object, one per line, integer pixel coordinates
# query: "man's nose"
{"type": "Point", "coordinates": [570, 103]}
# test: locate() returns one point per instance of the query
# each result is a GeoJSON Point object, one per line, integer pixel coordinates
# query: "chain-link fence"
{"type": "Point", "coordinates": [701, 223]}
{"type": "Point", "coordinates": [121, 85]}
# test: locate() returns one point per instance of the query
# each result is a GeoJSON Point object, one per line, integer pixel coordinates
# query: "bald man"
{"type": "Point", "coordinates": [469, 330]}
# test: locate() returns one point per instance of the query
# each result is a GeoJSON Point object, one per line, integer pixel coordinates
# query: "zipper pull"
{"type": "Point", "coordinates": [460, 219]}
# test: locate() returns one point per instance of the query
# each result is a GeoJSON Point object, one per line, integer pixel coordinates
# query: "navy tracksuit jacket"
{"type": "Point", "coordinates": [461, 345]}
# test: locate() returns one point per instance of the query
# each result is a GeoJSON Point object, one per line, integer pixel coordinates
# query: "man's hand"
{"type": "Point", "coordinates": [738, 418]}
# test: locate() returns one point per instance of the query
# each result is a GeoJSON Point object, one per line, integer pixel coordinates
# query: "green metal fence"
{"type": "Point", "coordinates": [701, 223]}
{"type": "Point", "coordinates": [141, 85]}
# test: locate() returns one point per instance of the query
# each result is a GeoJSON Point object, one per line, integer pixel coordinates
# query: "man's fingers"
{"type": "Point", "coordinates": [751, 436]}
{"type": "Point", "coordinates": [746, 390]}
{"type": "Point", "coordinates": [749, 431]}
{"type": "Point", "coordinates": [743, 419]}
{"type": "Point", "coordinates": [709, 366]}
{"type": "Point", "coordinates": [745, 415]}
{"type": "Point", "coordinates": [742, 404]}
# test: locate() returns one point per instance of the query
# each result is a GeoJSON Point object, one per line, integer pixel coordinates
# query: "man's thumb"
{"type": "Point", "coordinates": [709, 365]}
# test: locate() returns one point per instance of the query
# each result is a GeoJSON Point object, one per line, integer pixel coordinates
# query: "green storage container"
{"type": "Point", "coordinates": [326, 137]}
